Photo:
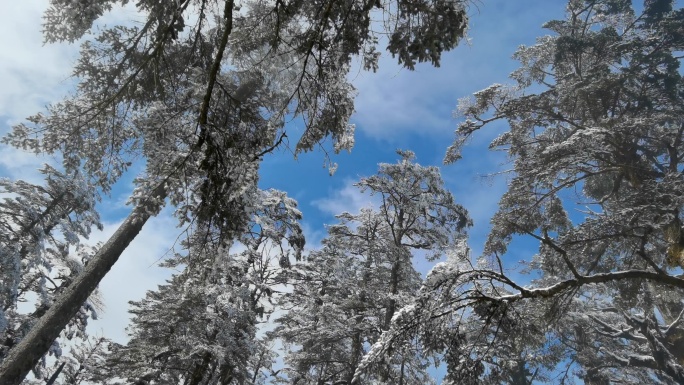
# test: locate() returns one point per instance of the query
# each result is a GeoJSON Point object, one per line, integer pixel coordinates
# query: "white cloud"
{"type": "Point", "coordinates": [346, 199]}
{"type": "Point", "coordinates": [35, 74]}
{"type": "Point", "coordinates": [32, 74]}
{"type": "Point", "coordinates": [394, 101]}
{"type": "Point", "coordinates": [16, 164]}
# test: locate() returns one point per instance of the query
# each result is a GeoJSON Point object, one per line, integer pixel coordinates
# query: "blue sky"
{"type": "Point", "coordinates": [395, 109]}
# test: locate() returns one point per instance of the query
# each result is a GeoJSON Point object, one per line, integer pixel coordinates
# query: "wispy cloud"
{"type": "Point", "coordinates": [32, 74]}
{"type": "Point", "coordinates": [348, 198]}
{"type": "Point", "coordinates": [396, 102]}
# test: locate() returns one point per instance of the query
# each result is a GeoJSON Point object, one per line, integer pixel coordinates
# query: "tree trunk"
{"type": "Point", "coordinates": [54, 376]}
{"type": "Point", "coordinates": [394, 285]}
{"type": "Point", "coordinates": [356, 353]}
{"type": "Point", "coordinates": [25, 355]}
{"type": "Point", "coordinates": [200, 370]}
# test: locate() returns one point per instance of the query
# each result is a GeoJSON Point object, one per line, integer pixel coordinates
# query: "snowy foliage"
{"type": "Point", "coordinates": [596, 146]}
{"type": "Point", "coordinates": [201, 326]}
{"type": "Point", "coordinates": [346, 295]}
{"type": "Point", "coordinates": [202, 101]}
{"type": "Point", "coordinates": [41, 228]}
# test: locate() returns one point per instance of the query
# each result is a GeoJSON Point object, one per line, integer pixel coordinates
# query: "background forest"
{"type": "Point", "coordinates": [169, 153]}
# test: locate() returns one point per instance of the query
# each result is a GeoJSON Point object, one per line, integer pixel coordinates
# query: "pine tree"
{"type": "Point", "coordinates": [201, 326]}
{"type": "Point", "coordinates": [595, 140]}
{"type": "Point", "coordinates": [346, 294]}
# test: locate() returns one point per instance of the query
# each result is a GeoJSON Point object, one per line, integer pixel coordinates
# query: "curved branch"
{"type": "Point", "coordinates": [553, 290]}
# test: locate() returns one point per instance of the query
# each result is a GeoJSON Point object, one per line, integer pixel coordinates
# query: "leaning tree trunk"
{"type": "Point", "coordinates": [25, 355]}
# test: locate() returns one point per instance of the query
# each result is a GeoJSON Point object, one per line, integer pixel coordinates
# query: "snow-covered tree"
{"type": "Point", "coordinates": [41, 229]}
{"type": "Point", "coordinates": [595, 137]}
{"type": "Point", "coordinates": [85, 364]}
{"type": "Point", "coordinates": [200, 91]}
{"type": "Point", "coordinates": [201, 326]}
{"type": "Point", "coordinates": [345, 295]}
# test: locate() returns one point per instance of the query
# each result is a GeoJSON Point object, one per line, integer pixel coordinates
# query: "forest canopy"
{"type": "Point", "coordinates": [195, 96]}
